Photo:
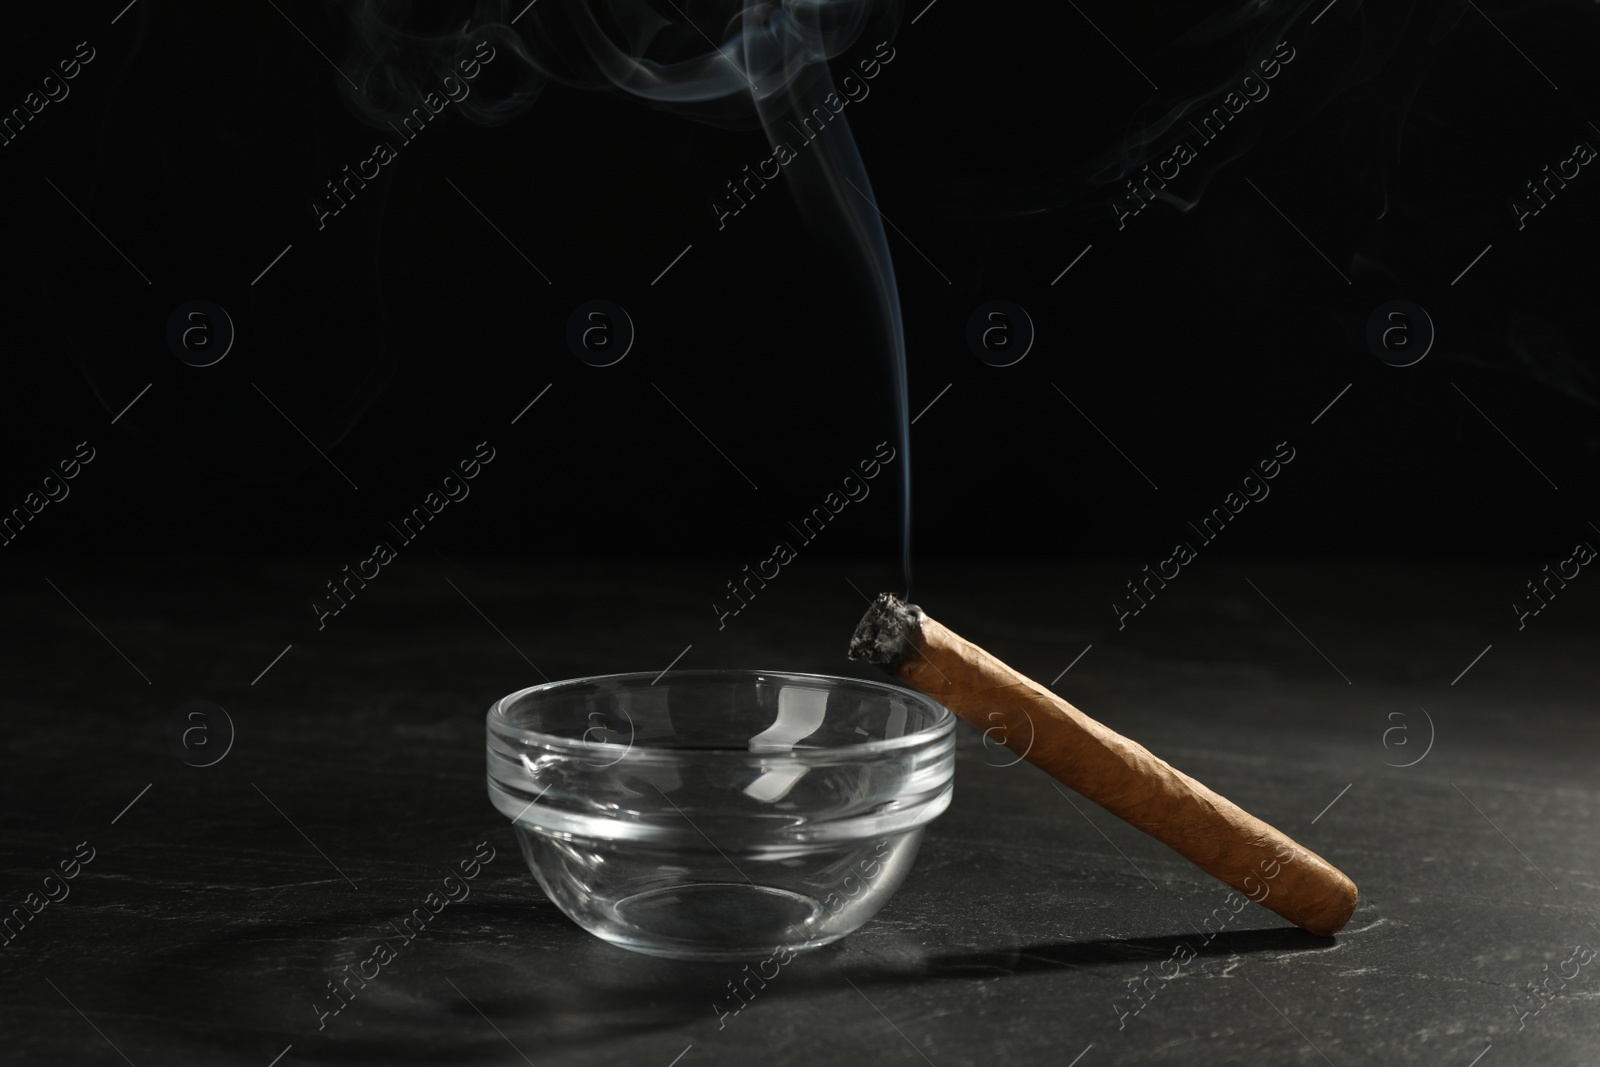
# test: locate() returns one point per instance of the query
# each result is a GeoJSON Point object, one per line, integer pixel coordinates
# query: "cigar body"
{"type": "Point", "coordinates": [1120, 775]}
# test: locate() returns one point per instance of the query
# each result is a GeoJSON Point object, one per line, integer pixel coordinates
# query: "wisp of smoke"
{"type": "Point", "coordinates": [736, 64]}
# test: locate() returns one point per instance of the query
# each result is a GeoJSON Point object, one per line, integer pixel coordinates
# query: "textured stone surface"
{"type": "Point", "coordinates": [221, 902]}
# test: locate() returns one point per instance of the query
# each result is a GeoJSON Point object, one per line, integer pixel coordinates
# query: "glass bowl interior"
{"type": "Point", "coordinates": [694, 714]}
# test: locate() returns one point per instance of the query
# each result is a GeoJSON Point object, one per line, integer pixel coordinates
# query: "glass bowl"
{"type": "Point", "coordinates": [719, 815]}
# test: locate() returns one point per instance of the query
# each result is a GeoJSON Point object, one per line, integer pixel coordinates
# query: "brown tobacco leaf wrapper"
{"type": "Point", "coordinates": [1121, 776]}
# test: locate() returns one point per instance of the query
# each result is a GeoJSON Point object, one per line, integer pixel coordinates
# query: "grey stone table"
{"type": "Point", "coordinates": [211, 907]}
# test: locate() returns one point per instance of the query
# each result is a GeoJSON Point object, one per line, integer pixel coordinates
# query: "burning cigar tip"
{"type": "Point", "coordinates": [887, 633]}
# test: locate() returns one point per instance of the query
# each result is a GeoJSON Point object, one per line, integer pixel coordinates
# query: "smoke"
{"type": "Point", "coordinates": [1198, 69]}
{"type": "Point", "coordinates": [747, 64]}
{"type": "Point", "coordinates": [711, 60]}
{"type": "Point", "coordinates": [1378, 81]}
{"type": "Point", "coordinates": [394, 63]}
{"type": "Point", "coordinates": [735, 64]}
{"type": "Point", "coordinates": [831, 186]}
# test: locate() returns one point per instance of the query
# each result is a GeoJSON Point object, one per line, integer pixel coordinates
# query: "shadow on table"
{"type": "Point", "coordinates": [1112, 951]}
{"type": "Point", "coordinates": [487, 978]}
{"type": "Point", "coordinates": [579, 992]}
{"type": "Point", "coordinates": [500, 977]}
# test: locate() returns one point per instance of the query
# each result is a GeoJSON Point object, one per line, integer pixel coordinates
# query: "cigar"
{"type": "Point", "coordinates": [1120, 775]}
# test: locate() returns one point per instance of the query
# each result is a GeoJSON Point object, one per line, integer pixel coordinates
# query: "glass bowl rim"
{"type": "Point", "coordinates": [943, 724]}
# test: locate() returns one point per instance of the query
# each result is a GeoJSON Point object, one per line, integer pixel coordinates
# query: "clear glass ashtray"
{"type": "Point", "coordinates": [719, 815]}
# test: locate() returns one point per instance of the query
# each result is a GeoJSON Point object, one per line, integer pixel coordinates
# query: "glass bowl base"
{"type": "Point", "coordinates": [714, 921]}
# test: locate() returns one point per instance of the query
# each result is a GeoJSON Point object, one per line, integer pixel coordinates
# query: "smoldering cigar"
{"type": "Point", "coordinates": [1102, 765]}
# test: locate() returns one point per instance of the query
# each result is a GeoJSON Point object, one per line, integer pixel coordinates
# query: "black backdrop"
{"type": "Point", "coordinates": [1173, 355]}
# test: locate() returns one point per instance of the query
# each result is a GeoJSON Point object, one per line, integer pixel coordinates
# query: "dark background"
{"type": "Point", "coordinates": [407, 330]}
